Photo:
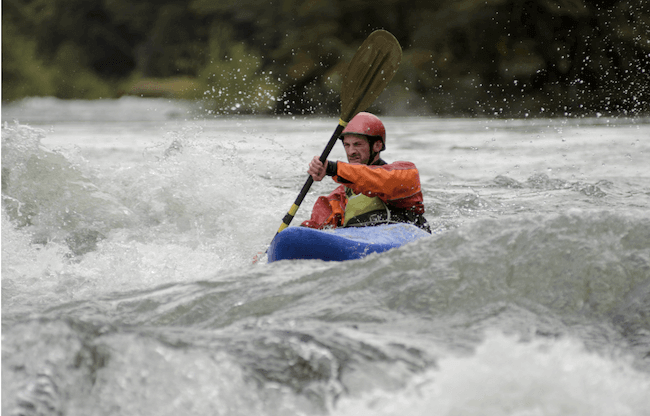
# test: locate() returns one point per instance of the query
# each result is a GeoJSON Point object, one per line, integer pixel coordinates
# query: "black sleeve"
{"type": "Point", "coordinates": [331, 168]}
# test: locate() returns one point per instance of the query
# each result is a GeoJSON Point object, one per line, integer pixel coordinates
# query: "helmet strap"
{"type": "Point", "coordinates": [371, 144]}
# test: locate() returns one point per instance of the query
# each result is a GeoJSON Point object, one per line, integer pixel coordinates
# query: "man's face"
{"type": "Point", "coordinates": [357, 148]}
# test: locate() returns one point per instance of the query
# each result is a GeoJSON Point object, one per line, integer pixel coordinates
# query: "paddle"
{"type": "Point", "coordinates": [371, 69]}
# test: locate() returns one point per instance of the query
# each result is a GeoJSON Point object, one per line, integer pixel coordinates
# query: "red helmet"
{"type": "Point", "coordinates": [366, 124]}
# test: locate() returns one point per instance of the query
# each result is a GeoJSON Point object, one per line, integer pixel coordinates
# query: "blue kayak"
{"type": "Point", "coordinates": [342, 243]}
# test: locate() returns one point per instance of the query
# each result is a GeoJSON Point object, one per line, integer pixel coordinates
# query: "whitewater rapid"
{"type": "Point", "coordinates": [129, 228]}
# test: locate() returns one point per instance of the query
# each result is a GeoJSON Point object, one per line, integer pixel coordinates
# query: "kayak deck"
{"type": "Point", "coordinates": [341, 243]}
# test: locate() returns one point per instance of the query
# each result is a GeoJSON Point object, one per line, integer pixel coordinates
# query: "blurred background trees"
{"type": "Point", "coordinates": [461, 57]}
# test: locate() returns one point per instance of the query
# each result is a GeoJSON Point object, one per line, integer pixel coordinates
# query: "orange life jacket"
{"type": "Point", "coordinates": [397, 185]}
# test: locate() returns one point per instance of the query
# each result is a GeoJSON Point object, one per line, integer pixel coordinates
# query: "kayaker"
{"type": "Point", "coordinates": [372, 192]}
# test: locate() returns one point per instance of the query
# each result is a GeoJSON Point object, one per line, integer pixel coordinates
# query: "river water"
{"type": "Point", "coordinates": [129, 229]}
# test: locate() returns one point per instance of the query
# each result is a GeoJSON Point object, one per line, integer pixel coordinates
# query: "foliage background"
{"type": "Point", "coordinates": [461, 57]}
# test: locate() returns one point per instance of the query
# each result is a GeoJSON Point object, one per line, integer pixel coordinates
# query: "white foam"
{"type": "Point", "coordinates": [507, 377]}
